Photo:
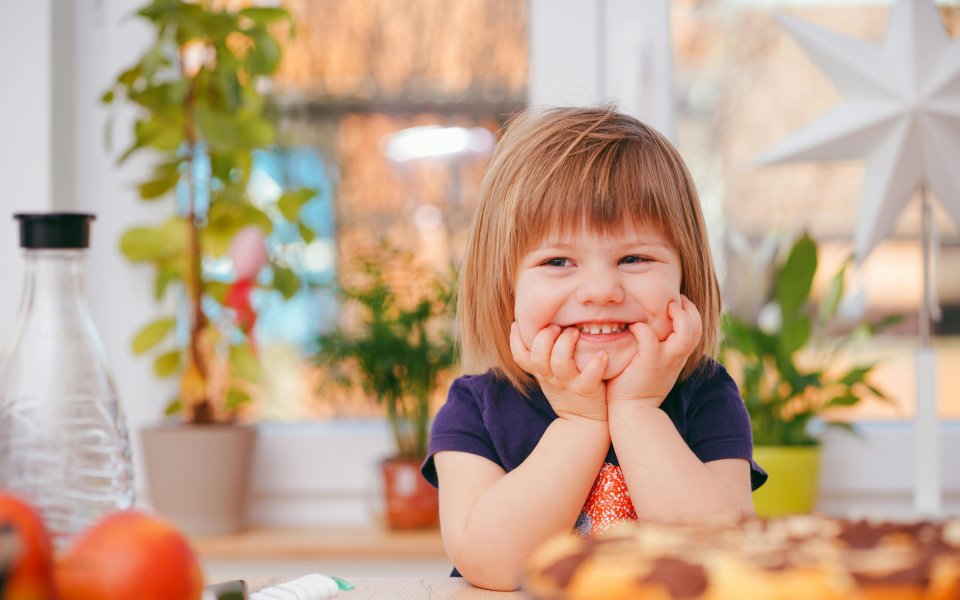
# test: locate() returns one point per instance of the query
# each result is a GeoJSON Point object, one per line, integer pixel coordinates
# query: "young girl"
{"type": "Point", "coordinates": [588, 296]}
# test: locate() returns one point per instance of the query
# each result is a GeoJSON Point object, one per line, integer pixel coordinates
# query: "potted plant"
{"type": "Point", "coordinates": [787, 364]}
{"type": "Point", "coordinates": [200, 115]}
{"type": "Point", "coordinates": [397, 349]}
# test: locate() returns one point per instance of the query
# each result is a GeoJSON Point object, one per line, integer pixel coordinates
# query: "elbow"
{"type": "Point", "coordinates": [492, 582]}
{"type": "Point", "coordinates": [488, 573]}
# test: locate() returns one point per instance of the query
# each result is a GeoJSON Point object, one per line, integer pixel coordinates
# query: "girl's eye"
{"type": "Point", "coordinates": [556, 262]}
{"type": "Point", "coordinates": [633, 259]}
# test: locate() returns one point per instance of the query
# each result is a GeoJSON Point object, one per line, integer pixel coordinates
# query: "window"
{"type": "Point", "coordinates": [399, 108]}
{"type": "Point", "coordinates": [744, 84]}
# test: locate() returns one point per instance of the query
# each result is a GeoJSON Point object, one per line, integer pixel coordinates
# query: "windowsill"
{"type": "Point", "coordinates": [303, 543]}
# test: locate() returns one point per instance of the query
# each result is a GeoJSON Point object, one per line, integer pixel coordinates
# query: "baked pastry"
{"type": "Point", "coordinates": [800, 557]}
{"type": "Point", "coordinates": [919, 560]}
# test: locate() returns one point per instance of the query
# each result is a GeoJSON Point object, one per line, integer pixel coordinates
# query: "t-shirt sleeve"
{"type": "Point", "coordinates": [719, 425]}
{"type": "Point", "coordinates": [459, 426]}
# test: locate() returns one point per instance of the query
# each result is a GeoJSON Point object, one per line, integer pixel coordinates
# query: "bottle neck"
{"type": "Point", "coordinates": [54, 276]}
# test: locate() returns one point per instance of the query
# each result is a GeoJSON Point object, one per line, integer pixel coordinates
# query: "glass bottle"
{"type": "Point", "coordinates": [63, 439]}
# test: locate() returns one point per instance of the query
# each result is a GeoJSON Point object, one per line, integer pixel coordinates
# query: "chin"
{"type": "Point", "coordinates": [617, 363]}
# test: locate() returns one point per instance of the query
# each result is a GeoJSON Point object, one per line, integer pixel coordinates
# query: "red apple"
{"type": "Point", "coordinates": [130, 555]}
{"type": "Point", "coordinates": [31, 571]}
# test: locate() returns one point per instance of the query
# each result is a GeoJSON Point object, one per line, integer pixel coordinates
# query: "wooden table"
{"type": "Point", "coordinates": [312, 543]}
{"type": "Point", "coordinates": [411, 588]}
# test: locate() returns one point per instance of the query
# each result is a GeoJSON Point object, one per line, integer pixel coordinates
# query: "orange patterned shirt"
{"type": "Point", "coordinates": [608, 503]}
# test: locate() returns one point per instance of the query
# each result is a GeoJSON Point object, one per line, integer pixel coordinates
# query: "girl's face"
{"type": "Point", "coordinates": [599, 284]}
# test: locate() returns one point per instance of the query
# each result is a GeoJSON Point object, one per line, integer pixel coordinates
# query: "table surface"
{"type": "Point", "coordinates": [411, 588]}
{"type": "Point", "coordinates": [311, 543]}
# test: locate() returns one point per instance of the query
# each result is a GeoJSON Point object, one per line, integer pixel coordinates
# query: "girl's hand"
{"type": "Point", "coordinates": [655, 367]}
{"type": "Point", "coordinates": [571, 393]}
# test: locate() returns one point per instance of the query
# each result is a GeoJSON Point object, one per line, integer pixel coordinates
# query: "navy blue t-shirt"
{"type": "Point", "coordinates": [486, 416]}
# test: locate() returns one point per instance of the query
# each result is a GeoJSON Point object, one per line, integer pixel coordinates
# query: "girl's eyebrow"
{"type": "Point", "coordinates": [557, 244]}
{"type": "Point", "coordinates": [646, 242]}
{"type": "Point", "coordinates": [551, 244]}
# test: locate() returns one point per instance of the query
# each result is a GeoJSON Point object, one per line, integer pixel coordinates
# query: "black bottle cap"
{"type": "Point", "coordinates": [54, 230]}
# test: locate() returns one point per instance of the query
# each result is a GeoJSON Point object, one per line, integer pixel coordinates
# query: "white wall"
{"type": "Point", "coordinates": [26, 89]}
{"type": "Point", "coordinates": [56, 58]}
{"type": "Point", "coordinates": [106, 39]}
{"type": "Point", "coordinates": [599, 51]}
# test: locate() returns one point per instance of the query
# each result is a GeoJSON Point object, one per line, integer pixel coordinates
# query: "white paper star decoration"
{"type": "Point", "coordinates": [901, 111]}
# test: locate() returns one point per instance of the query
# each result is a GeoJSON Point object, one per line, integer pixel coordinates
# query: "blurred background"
{"type": "Point", "coordinates": [389, 112]}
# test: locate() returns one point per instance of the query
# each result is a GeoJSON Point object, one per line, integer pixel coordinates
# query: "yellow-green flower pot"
{"type": "Point", "coordinates": [794, 477]}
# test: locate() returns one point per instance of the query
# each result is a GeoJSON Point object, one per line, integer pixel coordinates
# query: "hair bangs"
{"type": "Point", "coordinates": [602, 188]}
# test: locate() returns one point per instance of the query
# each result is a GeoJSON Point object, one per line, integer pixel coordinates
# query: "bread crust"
{"type": "Point", "coordinates": [800, 557]}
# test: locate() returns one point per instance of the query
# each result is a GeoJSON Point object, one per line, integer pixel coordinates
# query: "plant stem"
{"type": "Point", "coordinates": [394, 420]}
{"type": "Point", "coordinates": [201, 411]}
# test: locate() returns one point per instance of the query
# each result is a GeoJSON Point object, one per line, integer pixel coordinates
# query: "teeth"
{"type": "Point", "coordinates": [598, 328]}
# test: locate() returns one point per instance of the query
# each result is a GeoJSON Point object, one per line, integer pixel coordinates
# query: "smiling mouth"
{"type": "Point", "coordinates": [601, 328]}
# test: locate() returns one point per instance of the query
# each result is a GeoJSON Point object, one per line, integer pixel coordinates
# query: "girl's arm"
{"type": "Point", "coordinates": [667, 481]}
{"type": "Point", "coordinates": [491, 521]}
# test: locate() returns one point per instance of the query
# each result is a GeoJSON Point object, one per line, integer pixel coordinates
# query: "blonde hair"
{"type": "Point", "coordinates": [558, 171]}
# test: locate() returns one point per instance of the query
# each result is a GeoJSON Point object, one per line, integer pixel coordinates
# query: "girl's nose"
{"type": "Point", "coordinates": [600, 288]}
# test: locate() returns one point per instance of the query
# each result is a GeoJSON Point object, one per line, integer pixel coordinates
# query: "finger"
{"type": "Point", "coordinates": [695, 318]}
{"type": "Point", "coordinates": [592, 375]}
{"type": "Point", "coordinates": [678, 342]}
{"type": "Point", "coordinates": [644, 335]}
{"type": "Point", "coordinates": [542, 347]}
{"type": "Point", "coordinates": [519, 350]}
{"type": "Point", "coordinates": [687, 328]}
{"type": "Point", "coordinates": [561, 359]}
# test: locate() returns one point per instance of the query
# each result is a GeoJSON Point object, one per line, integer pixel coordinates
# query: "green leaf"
{"type": "Point", "coordinates": [157, 188]}
{"type": "Point", "coordinates": [831, 300]}
{"type": "Point", "coordinates": [175, 407]}
{"type": "Point", "coordinates": [167, 364]}
{"type": "Point", "coordinates": [142, 243]}
{"type": "Point", "coordinates": [844, 400]}
{"type": "Point", "coordinates": [130, 76]}
{"type": "Point", "coordinates": [165, 275]}
{"type": "Point", "coordinates": [265, 14]}
{"type": "Point", "coordinates": [290, 203]}
{"type": "Point", "coordinates": [107, 97]}
{"type": "Point", "coordinates": [880, 394]}
{"type": "Point", "coordinates": [884, 323]}
{"type": "Point", "coordinates": [306, 232]}
{"type": "Point", "coordinates": [236, 399]}
{"type": "Point", "coordinates": [264, 56]}
{"type": "Point", "coordinates": [165, 98]}
{"type": "Point", "coordinates": [795, 335]}
{"type": "Point", "coordinates": [796, 276]}
{"type": "Point", "coordinates": [217, 290]}
{"type": "Point", "coordinates": [227, 130]}
{"type": "Point", "coordinates": [857, 374]}
{"type": "Point", "coordinates": [155, 243]}
{"type": "Point", "coordinates": [286, 281]}
{"type": "Point", "coordinates": [161, 131]}
{"type": "Point", "coordinates": [152, 333]}
{"type": "Point", "coordinates": [245, 365]}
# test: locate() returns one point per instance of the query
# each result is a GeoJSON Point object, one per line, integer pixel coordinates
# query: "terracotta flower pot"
{"type": "Point", "coordinates": [411, 502]}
